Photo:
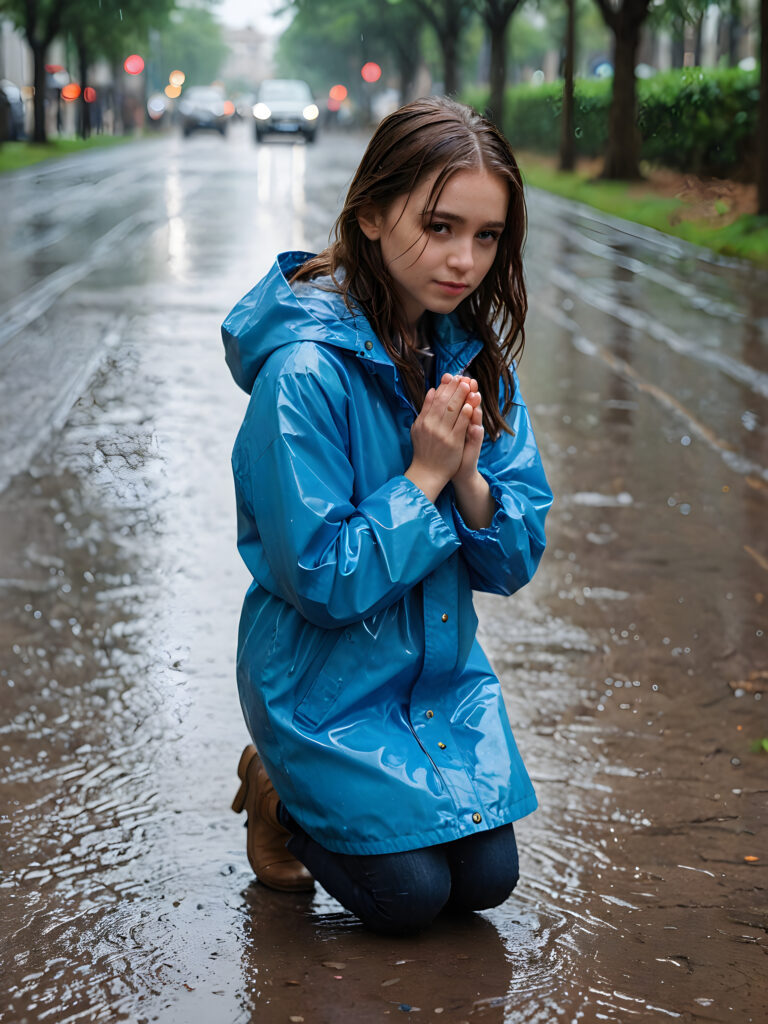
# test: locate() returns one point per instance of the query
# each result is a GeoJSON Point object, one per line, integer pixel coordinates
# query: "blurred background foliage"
{"type": "Point", "coordinates": [675, 82]}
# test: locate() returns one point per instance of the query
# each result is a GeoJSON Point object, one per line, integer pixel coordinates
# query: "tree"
{"type": "Point", "coordinates": [191, 39]}
{"type": "Point", "coordinates": [625, 19]}
{"type": "Point", "coordinates": [448, 19]}
{"type": "Point", "coordinates": [41, 22]}
{"type": "Point", "coordinates": [108, 29]}
{"type": "Point", "coordinates": [762, 117]}
{"type": "Point", "coordinates": [326, 36]}
{"type": "Point", "coordinates": [497, 15]}
{"type": "Point", "coordinates": [567, 143]}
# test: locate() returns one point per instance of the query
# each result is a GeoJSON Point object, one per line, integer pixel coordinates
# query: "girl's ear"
{"type": "Point", "coordinates": [370, 219]}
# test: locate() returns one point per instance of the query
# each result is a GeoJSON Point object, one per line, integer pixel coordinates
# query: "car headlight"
{"type": "Point", "coordinates": [310, 113]}
{"type": "Point", "coordinates": [262, 112]}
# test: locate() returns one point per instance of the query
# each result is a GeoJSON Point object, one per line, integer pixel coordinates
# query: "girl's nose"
{"type": "Point", "coordinates": [460, 257]}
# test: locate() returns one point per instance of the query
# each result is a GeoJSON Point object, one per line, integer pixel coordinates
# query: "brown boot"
{"type": "Point", "coordinates": [272, 863]}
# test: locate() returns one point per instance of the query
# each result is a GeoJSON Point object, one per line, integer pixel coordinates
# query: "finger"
{"type": "Point", "coordinates": [462, 421]}
{"type": "Point", "coordinates": [474, 438]}
{"type": "Point", "coordinates": [450, 397]}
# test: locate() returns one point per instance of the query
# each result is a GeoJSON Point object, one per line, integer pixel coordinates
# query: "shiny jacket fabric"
{"type": "Point", "coordinates": [377, 714]}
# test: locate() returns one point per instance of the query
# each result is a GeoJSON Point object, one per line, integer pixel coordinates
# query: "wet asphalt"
{"type": "Point", "coordinates": [634, 666]}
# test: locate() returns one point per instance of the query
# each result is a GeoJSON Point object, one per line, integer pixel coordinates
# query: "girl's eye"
{"type": "Point", "coordinates": [488, 236]}
{"type": "Point", "coordinates": [438, 228]}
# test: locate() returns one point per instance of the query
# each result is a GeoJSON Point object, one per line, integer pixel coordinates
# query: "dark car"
{"type": "Point", "coordinates": [285, 105]}
{"type": "Point", "coordinates": [11, 112]}
{"type": "Point", "coordinates": [203, 107]}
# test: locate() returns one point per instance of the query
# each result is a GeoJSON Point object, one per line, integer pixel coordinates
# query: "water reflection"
{"type": "Point", "coordinates": [310, 959]}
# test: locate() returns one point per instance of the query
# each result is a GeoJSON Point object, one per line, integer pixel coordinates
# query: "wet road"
{"type": "Point", "coordinates": [634, 666]}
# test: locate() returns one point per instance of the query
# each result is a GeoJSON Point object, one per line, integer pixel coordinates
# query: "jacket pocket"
{"type": "Point", "coordinates": [319, 699]}
{"type": "Point", "coordinates": [322, 693]}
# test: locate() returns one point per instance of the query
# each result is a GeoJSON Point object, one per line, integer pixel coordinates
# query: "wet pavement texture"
{"type": "Point", "coordinates": [634, 666]}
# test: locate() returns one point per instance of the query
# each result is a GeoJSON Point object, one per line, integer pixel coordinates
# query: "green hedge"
{"type": "Point", "coordinates": [697, 120]}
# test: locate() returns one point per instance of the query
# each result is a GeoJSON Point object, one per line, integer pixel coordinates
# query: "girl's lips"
{"type": "Point", "coordinates": [451, 286]}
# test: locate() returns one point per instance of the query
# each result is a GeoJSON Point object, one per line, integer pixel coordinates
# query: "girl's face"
{"type": "Point", "coordinates": [437, 257]}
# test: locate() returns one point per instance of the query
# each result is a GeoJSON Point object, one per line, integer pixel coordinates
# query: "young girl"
{"type": "Point", "coordinates": [385, 468]}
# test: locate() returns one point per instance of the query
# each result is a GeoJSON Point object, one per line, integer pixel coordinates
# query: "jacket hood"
{"type": "Point", "coordinates": [272, 315]}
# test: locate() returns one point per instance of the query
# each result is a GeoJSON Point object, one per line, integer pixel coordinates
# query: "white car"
{"type": "Point", "coordinates": [285, 105]}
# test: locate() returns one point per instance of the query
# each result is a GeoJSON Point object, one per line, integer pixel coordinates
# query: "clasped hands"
{"type": "Point", "coordinates": [447, 436]}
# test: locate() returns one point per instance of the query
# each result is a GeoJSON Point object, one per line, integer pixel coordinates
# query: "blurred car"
{"type": "Point", "coordinates": [12, 126]}
{"type": "Point", "coordinates": [203, 107]}
{"type": "Point", "coordinates": [285, 105]}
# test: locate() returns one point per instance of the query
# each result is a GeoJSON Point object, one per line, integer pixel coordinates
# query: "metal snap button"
{"type": "Point", "coordinates": [444, 616]}
{"type": "Point", "coordinates": [369, 345]}
{"type": "Point", "coordinates": [430, 714]}
{"type": "Point", "coordinates": [441, 745]}
{"type": "Point", "coordinates": [477, 818]}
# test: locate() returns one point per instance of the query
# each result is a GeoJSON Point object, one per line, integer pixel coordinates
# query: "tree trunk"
{"type": "Point", "coordinates": [734, 33]}
{"type": "Point", "coordinates": [39, 133]}
{"type": "Point", "coordinates": [697, 40]}
{"type": "Point", "coordinates": [448, 44]}
{"type": "Point", "coordinates": [407, 69]}
{"type": "Point", "coordinates": [623, 151]}
{"type": "Point", "coordinates": [497, 74]}
{"type": "Point", "coordinates": [762, 121]}
{"type": "Point", "coordinates": [678, 43]}
{"type": "Point", "coordinates": [84, 125]}
{"type": "Point", "coordinates": [567, 137]}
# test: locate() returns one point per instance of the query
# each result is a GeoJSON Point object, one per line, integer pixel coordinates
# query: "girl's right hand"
{"type": "Point", "coordinates": [438, 434]}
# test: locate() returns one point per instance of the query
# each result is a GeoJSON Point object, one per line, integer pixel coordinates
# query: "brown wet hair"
{"type": "Point", "coordinates": [434, 136]}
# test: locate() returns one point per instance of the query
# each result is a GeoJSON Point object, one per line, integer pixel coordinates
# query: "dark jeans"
{"type": "Point", "coordinates": [404, 892]}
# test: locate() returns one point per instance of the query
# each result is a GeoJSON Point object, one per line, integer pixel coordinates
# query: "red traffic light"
{"type": "Point", "coordinates": [371, 72]}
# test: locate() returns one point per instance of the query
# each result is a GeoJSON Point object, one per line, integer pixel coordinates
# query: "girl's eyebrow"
{"type": "Point", "coordinates": [444, 215]}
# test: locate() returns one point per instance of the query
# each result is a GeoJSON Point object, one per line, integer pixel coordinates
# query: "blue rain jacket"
{"type": "Point", "coordinates": [376, 712]}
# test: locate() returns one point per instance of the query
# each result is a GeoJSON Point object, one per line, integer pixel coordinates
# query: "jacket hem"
{"type": "Point", "coordinates": [418, 840]}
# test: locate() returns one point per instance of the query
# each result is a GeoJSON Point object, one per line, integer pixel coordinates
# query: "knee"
{"type": "Point", "coordinates": [412, 903]}
{"type": "Point", "coordinates": [483, 894]}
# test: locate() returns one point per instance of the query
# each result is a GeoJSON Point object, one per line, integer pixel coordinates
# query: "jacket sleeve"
{"type": "Point", "coordinates": [334, 559]}
{"type": "Point", "coordinates": [503, 557]}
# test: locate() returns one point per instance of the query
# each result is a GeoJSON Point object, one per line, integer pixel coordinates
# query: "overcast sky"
{"type": "Point", "coordinates": [258, 13]}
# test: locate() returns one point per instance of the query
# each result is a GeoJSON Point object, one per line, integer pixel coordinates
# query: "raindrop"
{"type": "Point", "coordinates": [685, 440]}
{"type": "Point", "coordinates": [685, 510]}
{"type": "Point", "coordinates": [671, 502]}
{"type": "Point", "coordinates": [655, 687]}
{"type": "Point", "coordinates": [735, 761]}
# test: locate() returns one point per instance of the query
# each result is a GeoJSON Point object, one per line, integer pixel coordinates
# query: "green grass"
{"type": "Point", "coordinates": [746, 236]}
{"type": "Point", "coordinates": [14, 155]}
